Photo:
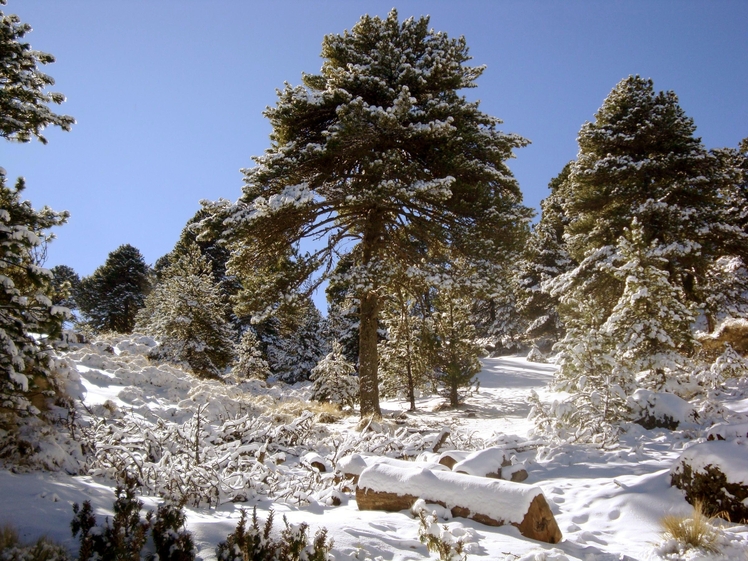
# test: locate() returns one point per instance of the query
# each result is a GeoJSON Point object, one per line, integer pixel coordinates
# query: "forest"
{"type": "Point", "coordinates": [385, 188]}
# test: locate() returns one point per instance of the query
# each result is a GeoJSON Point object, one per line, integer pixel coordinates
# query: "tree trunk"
{"type": "Point", "coordinates": [368, 356]}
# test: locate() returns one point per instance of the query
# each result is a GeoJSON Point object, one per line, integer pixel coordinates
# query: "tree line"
{"type": "Point", "coordinates": [401, 188]}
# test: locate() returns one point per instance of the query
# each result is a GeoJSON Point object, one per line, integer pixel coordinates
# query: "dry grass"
{"type": "Point", "coordinates": [694, 531]}
{"type": "Point", "coordinates": [8, 537]}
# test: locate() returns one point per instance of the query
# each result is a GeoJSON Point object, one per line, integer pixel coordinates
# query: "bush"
{"type": "Point", "coordinates": [258, 545]}
{"type": "Point", "coordinates": [124, 539]}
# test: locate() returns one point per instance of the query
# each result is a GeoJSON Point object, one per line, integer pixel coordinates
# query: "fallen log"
{"type": "Point", "coordinates": [494, 462]}
{"type": "Point", "coordinates": [351, 467]}
{"type": "Point", "coordinates": [493, 502]}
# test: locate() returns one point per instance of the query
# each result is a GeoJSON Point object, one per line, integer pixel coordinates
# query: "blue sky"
{"type": "Point", "coordinates": [169, 94]}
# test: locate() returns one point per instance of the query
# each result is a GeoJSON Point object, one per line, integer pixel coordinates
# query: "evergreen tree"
{"type": "Point", "coordinates": [250, 358]}
{"type": "Point", "coordinates": [456, 351]}
{"type": "Point", "coordinates": [380, 154]}
{"type": "Point", "coordinates": [334, 379]}
{"type": "Point", "coordinates": [186, 312]}
{"type": "Point", "coordinates": [545, 258]}
{"type": "Point", "coordinates": [26, 308]}
{"type": "Point", "coordinates": [24, 111]}
{"type": "Point", "coordinates": [112, 296]}
{"type": "Point", "coordinates": [640, 160]}
{"type": "Point", "coordinates": [406, 354]}
{"type": "Point", "coordinates": [298, 346]}
{"type": "Point", "coordinates": [65, 283]}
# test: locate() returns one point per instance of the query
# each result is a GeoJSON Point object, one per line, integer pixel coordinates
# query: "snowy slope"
{"type": "Point", "coordinates": [607, 503]}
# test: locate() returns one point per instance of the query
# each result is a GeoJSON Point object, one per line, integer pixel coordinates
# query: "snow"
{"type": "Point", "coordinates": [607, 503]}
{"type": "Point", "coordinates": [500, 500]}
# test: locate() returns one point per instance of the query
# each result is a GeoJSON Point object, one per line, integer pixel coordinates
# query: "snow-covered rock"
{"type": "Point", "coordinates": [660, 410]}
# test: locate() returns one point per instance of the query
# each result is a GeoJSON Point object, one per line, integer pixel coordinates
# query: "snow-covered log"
{"type": "Point", "coordinates": [488, 501]}
{"type": "Point", "coordinates": [351, 467]}
{"type": "Point", "coordinates": [495, 462]}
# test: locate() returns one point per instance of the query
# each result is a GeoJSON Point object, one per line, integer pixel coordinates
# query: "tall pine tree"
{"type": "Point", "coordinates": [378, 154]}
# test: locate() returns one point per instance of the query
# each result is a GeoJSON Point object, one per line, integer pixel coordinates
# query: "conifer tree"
{"type": "Point", "coordinates": [545, 257]}
{"type": "Point", "coordinates": [406, 354]}
{"type": "Point", "coordinates": [381, 154]}
{"type": "Point", "coordinates": [456, 351]}
{"type": "Point", "coordinates": [24, 103]}
{"type": "Point", "coordinates": [250, 361]}
{"type": "Point", "coordinates": [298, 345]}
{"type": "Point", "coordinates": [65, 284]}
{"type": "Point", "coordinates": [334, 380]}
{"type": "Point", "coordinates": [186, 312]}
{"type": "Point", "coordinates": [112, 296]}
{"type": "Point", "coordinates": [26, 308]}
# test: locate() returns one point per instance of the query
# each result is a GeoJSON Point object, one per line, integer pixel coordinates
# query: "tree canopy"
{"type": "Point", "coordinates": [377, 156]}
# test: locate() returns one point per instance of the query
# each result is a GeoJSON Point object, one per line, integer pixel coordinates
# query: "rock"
{"type": "Point", "coordinates": [488, 501]}
{"type": "Point", "coordinates": [716, 474]}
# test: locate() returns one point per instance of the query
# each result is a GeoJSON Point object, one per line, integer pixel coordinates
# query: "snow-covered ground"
{"type": "Point", "coordinates": [608, 504]}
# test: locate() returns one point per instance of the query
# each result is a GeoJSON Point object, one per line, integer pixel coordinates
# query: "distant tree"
{"type": "Point", "coordinates": [456, 351]}
{"type": "Point", "coordinates": [250, 358]}
{"type": "Point", "coordinates": [27, 313]}
{"type": "Point", "coordinates": [544, 258]}
{"type": "Point", "coordinates": [65, 283]}
{"type": "Point", "coordinates": [406, 353]}
{"type": "Point", "coordinates": [112, 296]}
{"type": "Point", "coordinates": [24, 111]}
{"type": "Point", "coordinates": [379, 155]}
{"type": "Point", "coordinates": [334, 379]}
{"type": "Point", "coordinates": [186, 313]}
{"type": "Point", "coordinates": [298, 345]}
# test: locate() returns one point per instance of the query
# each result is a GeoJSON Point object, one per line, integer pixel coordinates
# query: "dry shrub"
{"type": "Point", "coordinates": [323, 412]}
{"type": "Point", "coordinates": [695, 531]}
{"type": "Point", "coordinates": [8, 537]}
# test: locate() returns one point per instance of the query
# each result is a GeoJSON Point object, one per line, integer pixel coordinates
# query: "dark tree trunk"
{"type": "Point", "coordinates": [368, 356]}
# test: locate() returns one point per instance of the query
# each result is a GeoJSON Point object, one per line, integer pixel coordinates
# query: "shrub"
{"type": "Point", "coordinates": [439, 540]}
{"type": "Point", "coordinates": [258, 545]}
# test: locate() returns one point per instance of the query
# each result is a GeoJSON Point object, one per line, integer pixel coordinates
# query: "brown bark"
{"type": "Point", "coordinates": [368, 356]}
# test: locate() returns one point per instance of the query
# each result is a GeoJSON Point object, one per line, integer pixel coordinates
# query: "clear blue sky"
{"type": "Point", "coordinates": [169, 94]}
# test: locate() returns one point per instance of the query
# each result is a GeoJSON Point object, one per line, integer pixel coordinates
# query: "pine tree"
{"type": "Point", "coordinates": [380, 154]}
{"type": "Point", "coordinates": [112, 296]}
{"type": "Point", "coordinates": [545, 258]}
{"type": "Point", "coordinates": [334, 379]}
{"type": "Point", "coordinates": [26, 308]}
{"type": "Point", "coordinates": [186, 312]}
{"type": "Point", "coordinates": [457, 352]}
{"type": "Point", "coordinates": [650, 325]}
{"type": "Point", "coordinates": [24, 111]}
{"type": "Point", "coordinates": [65, 283]}
{"type": "Point", "coordinates": [250, 358]}
{"type": "Point", "coordinates": [640, 160]}
{"type": "Point", "coordinates": [406, 354]}
{"type": "Point", "coordinates": [298, 345]}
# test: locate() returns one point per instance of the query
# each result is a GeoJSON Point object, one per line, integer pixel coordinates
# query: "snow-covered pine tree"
{"type": "Point", "coordinates": [640, 160]}
{"type": "Point", "coordinates": [650, 325]}
{"type": "Point", "coordinates": [24, 110]}
{"type": "Point", "coordinates": [298, 345]}
{"type": "Point", "coordinates": [544, 258]}
{"type": "Point", "coordinates": [334, 379]}
{"type": "Point", "coordinates": [250, 361]}
{"type": "Point", "coordinates": [186, 313]}
{"type": "Point", "coordinates": [377, 154]}
{"type": "Point", "coordinates": [406, 353]}
{"type": "Point", "coordinates": [112, 296]}
{"type": "Point", "coordinates": [65, 283]}
{"type": "Point", "coordinates": [27, 313]}
{"type": "Point", "coordinates": [456, 350]}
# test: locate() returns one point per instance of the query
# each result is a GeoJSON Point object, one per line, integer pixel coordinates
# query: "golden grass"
{"type": "Point", "coordinates": [8, 537]}
{"type": "Point", "coordinates": [694, 531]}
